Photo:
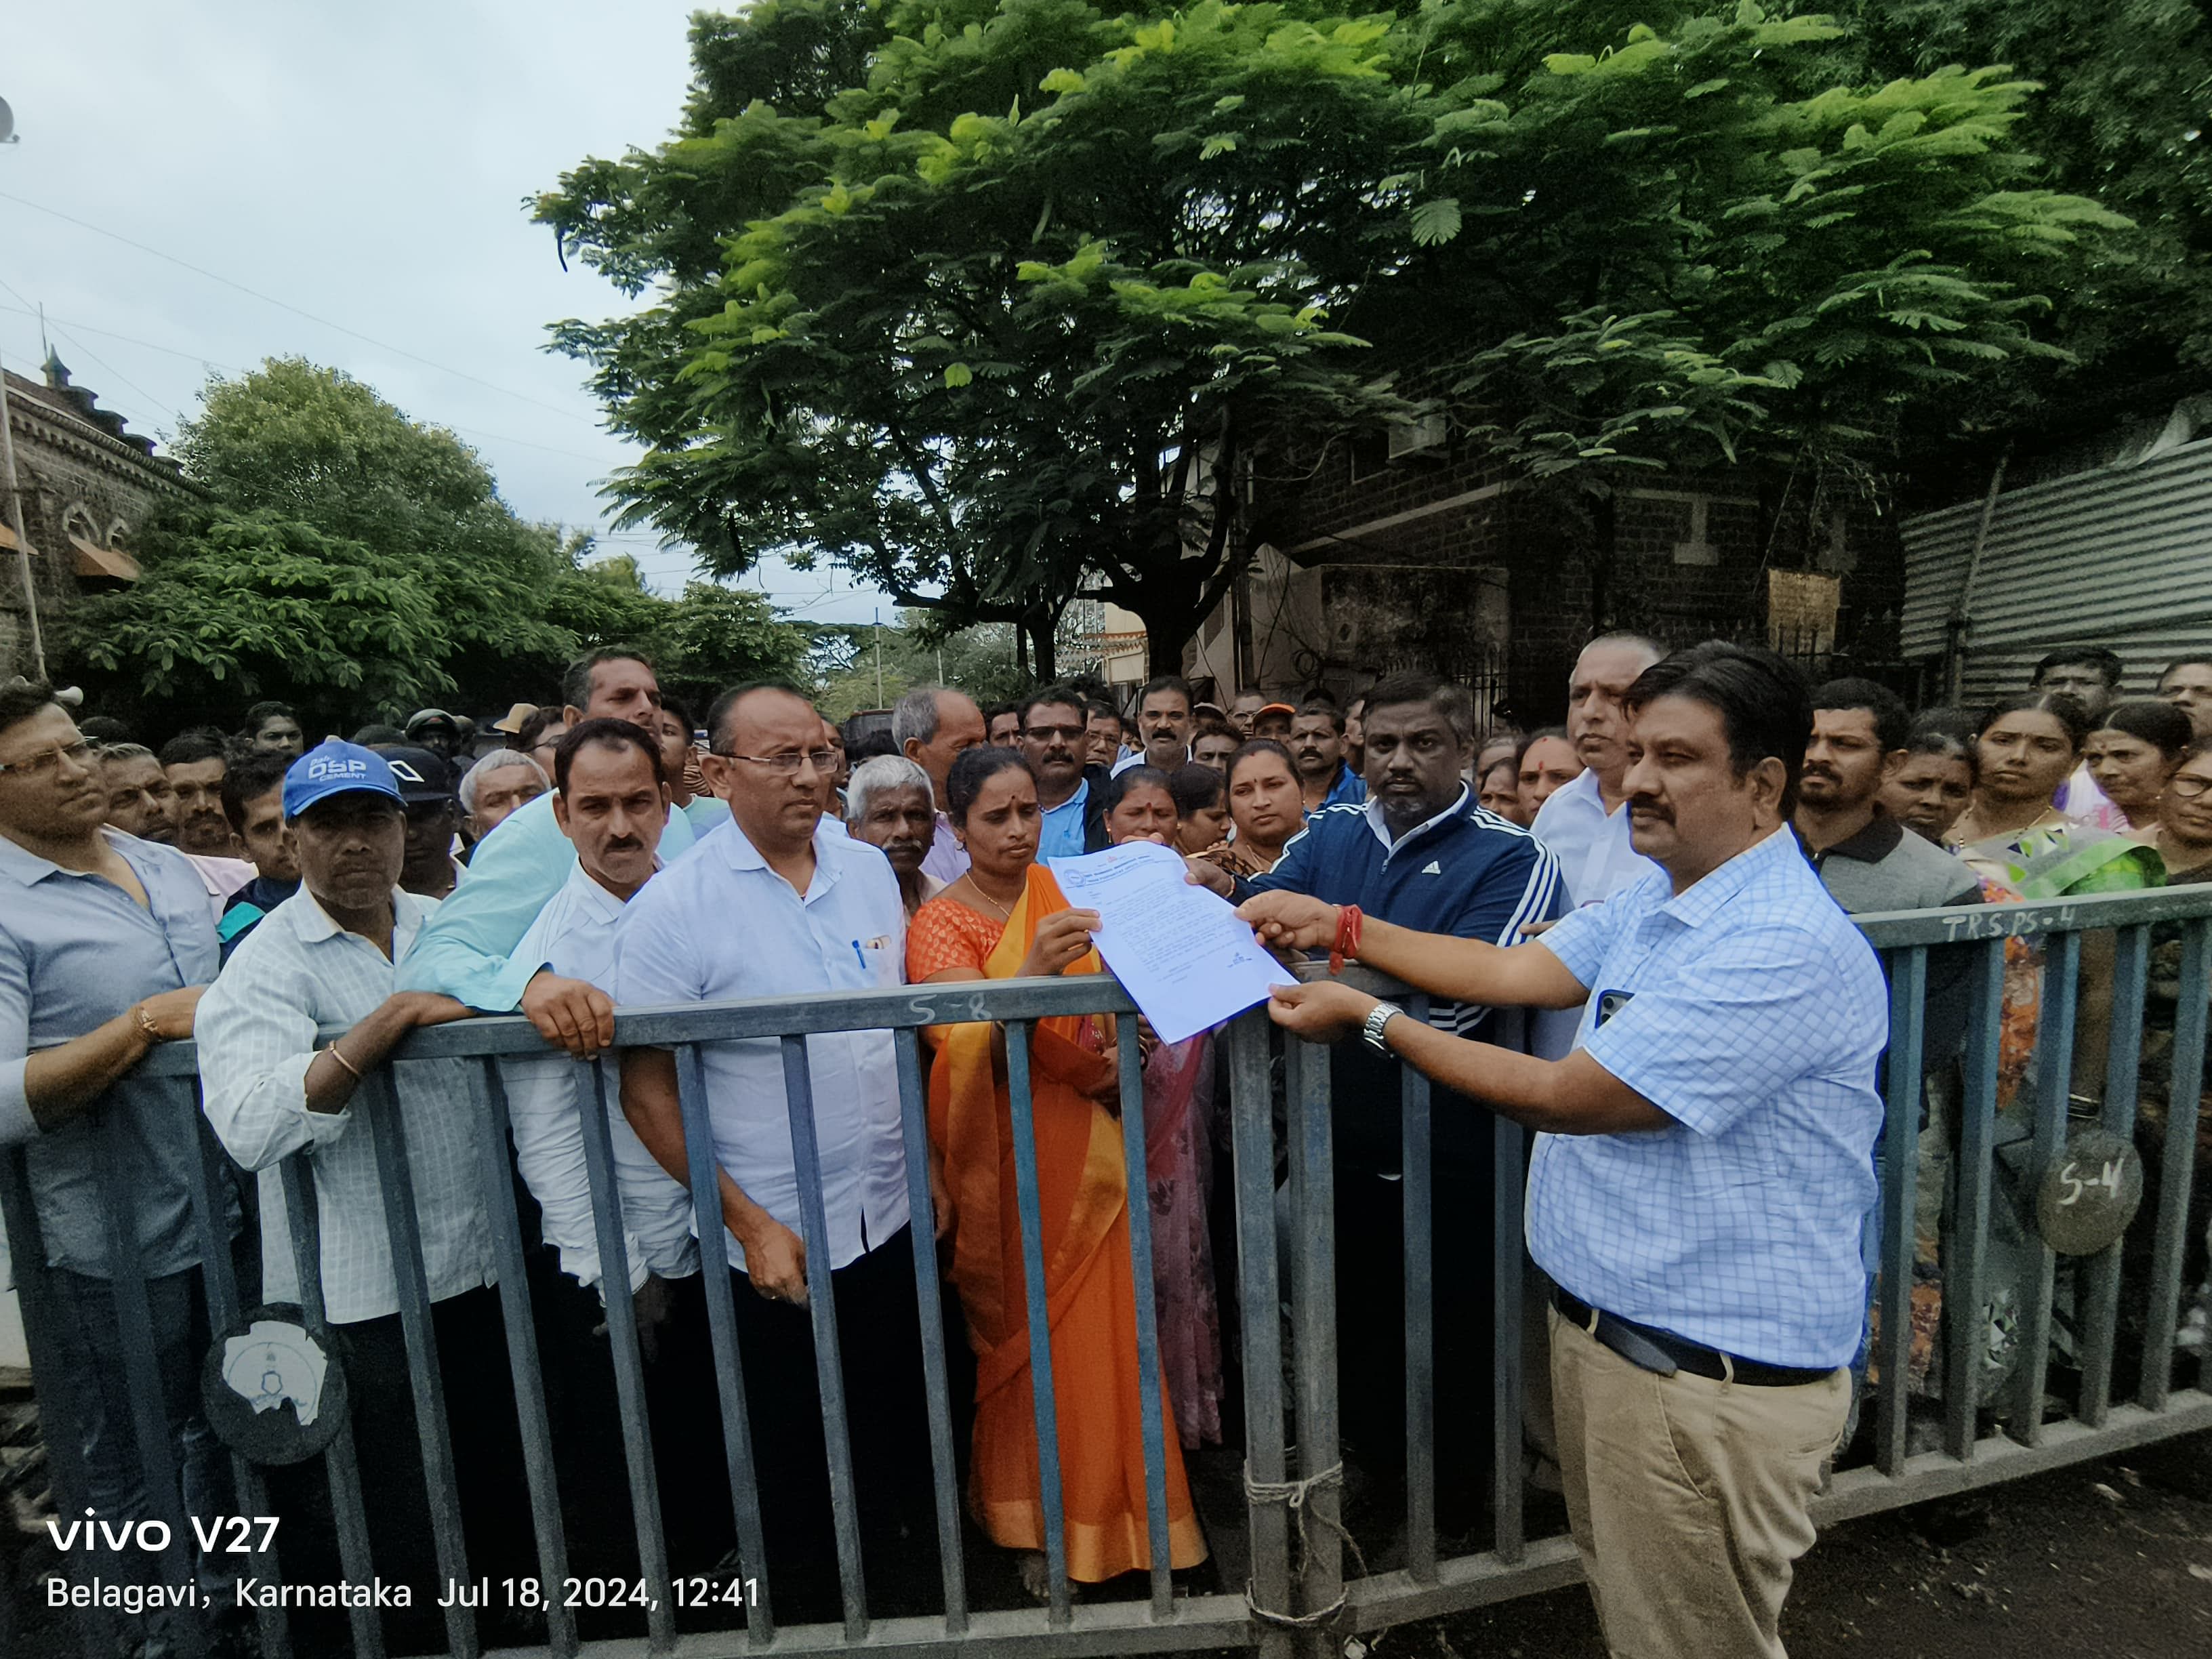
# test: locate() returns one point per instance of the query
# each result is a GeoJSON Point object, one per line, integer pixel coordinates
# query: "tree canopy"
{"type": "Point", "coordinates": [980, 660]}
{"type": "Point", "coordinates": [2124, 115]}
{"type": "Point", "coordinates": [995, 301]}
{"type": "Point", "coordinates": [361, 564]}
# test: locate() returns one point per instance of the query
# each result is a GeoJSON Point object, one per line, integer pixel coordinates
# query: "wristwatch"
{"type": "Point", "coordinates": [1381, 1016]}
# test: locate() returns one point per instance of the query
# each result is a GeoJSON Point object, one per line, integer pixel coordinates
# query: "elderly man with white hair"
{"type": "Point", "coordinates": [496, 786]}
{"type": "Point", "coordinates": [890, 805]}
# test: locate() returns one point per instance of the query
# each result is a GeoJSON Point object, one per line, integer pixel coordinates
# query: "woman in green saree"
{"type": "Point", "coordinates": [2011, 834]}
{"type": "Point", "coordinates": [2025, 850]}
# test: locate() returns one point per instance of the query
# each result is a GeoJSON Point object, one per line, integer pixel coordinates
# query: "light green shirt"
{"type": "Point", "coordinates": [464, 950]}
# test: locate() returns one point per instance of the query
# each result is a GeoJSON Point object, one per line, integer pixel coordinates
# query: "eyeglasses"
{"type": "Point", "coordinates": [1054, 733]}
{"type": "Point", "coordinates": [822, 760]}
{"type": "Point", "coordinates": [31, 766]}
{"type": "Point", "coordinates": [2188, 785]}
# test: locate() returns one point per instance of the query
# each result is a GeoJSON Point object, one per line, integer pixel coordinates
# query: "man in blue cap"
{"type": "Point", "coordinates": [271, 1088]}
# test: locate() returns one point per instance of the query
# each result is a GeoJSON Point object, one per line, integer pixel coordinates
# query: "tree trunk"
{"type": "Point", "coordinates": [1170, 620]}
{"type": "Point", "coordinates": [1042, 631]}
{"type": "Point", "coordinates": [1163, 651]}
{"type": "Point", "coordinates": [1604, 541]}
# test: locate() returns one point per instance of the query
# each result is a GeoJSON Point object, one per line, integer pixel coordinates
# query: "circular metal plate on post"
{"type": "Point", "coordinates": [2089, 1192]}
{"type": "Point", "coordinates": [274, 1393]}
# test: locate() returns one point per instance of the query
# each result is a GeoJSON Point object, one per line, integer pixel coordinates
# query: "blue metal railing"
{"type": "Point", "coordinates": [1296, 1593]}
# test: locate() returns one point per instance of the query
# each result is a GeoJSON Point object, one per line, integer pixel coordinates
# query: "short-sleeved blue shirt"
{"type": "Point", "coordinates": [1059, 829]}
{"type": "Point", "coordinates": [1751, 1012]}
{"type": "Point", "coordinates": [76, 952]}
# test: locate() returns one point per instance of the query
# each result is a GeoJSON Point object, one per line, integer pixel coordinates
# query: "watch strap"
{"type": "Point", "coordinates": [1378, 1021]}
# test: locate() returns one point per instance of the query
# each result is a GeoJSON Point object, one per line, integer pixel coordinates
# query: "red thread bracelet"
{"type": "Point", "coordinates": [1347, 937]}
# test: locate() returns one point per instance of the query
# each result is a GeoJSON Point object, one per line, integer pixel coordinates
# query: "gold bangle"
{"type": "Point", "coordinates": [332, 1051]}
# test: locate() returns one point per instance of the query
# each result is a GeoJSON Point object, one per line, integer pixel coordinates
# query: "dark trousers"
{"type": "Point", "coordinates": [880, 1342]}
{"type": "Point", "coordinates": [487, 1448]}
{"type": "Point", "coordinates": [583, 1410]}
{"type": "Point", "coordinates": [1371, 1332]}
{"type": "Point", "coordinates": [89, 1336]}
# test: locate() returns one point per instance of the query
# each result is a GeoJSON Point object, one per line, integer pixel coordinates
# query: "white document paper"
{"type": "Point", "coordinates": [1178, 951]}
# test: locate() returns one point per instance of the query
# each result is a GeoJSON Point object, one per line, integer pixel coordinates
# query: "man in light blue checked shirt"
{"type": "Point", "coordinates": [1705, 1160]}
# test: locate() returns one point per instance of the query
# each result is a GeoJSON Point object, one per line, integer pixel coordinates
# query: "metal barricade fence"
{"type": "Point", "coordinates": [1296, 1594]}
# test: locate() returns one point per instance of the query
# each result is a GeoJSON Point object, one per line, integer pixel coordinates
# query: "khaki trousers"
{"type": "Point", "coordinates": [1689, 1499]}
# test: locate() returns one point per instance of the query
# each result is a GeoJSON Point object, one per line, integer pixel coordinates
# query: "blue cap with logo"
{"type": "Point", "coordinates": [336, 769]}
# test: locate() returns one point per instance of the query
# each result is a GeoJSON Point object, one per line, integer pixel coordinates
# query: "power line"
{"type": "Point", "coordinates": [78, 346]}
{"type": "Point", "coordinates": [205, 362]}
{"type": "Point", "coordinates": [284, 305]}
{"type": "Point", "coordinates": [128, 339]}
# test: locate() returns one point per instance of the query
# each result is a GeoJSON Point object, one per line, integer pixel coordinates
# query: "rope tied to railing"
{"type": "Point", "coordinates": [1297, 1494]}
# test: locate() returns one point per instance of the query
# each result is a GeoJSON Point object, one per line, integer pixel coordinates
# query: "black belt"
{"type": "Point", "coordinates": [1663, 1353]}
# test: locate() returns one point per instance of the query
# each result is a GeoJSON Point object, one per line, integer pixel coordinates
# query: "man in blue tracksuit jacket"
{"type": "Point", "coordinates": [1418, 853]}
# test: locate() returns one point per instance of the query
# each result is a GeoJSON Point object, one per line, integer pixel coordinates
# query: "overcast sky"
{"type": "Point", "coordinates": [368, 165]}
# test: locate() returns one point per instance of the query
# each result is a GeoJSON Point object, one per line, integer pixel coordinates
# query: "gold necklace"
{"type": "Point", "coordinates": [1005, 913]}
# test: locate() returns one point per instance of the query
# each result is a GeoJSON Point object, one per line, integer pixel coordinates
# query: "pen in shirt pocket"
{"type": "Point", "coordinates": [860, 956]}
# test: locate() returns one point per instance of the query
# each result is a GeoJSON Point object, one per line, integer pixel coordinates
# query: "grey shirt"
{"type": "Point", "coordinates": [76, 950]}
{"type": "Point", "coordinates": [1887, 867]}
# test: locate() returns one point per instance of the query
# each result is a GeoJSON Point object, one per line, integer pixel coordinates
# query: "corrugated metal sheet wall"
{"type": "Point", "coordinates": [2120, 557]}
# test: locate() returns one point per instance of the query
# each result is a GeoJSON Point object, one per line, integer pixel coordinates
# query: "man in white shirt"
{"type": "Point", "coordinates": [271, 1089]}
{"type": "Point", "coordinates": [780, 903]}
{"type": "Point", "coordinates": [1164, 721]}
{"type": "Point", "coordinates": [1584, 824]}
{"type": "Point", "coordinates": [612, 804]}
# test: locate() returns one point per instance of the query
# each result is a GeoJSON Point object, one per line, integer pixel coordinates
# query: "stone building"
{"type": "Point", "coordinates": [1419, 550]}
{"type": "Point", "coordinates": [88, 484]}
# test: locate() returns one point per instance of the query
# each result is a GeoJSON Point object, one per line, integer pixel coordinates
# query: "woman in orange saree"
{"type": "Point", "coordinates": [1007, 918]}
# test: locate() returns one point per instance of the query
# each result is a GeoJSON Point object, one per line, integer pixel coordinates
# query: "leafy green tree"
{"type": "Point", "coordinates": [985, 297]}
{"type": "Point", "coordinates": [715, 637]}
{"type": "Point", "coordinates": [363, 564]}
{"type": "Point", "coordinates": [940, 375]}
{"type": "Point", "coordinates": [315, 445]}
{"type": "Point", "coordinates": [252, 605]}
{"type": "Point", "coordinates": [984, 661]}
{"type": "Point", "coordinates": [2125, 116]}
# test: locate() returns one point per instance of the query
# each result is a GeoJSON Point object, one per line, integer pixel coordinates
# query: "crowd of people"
{"type": "Point", "coordinates": [1630, 928]}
